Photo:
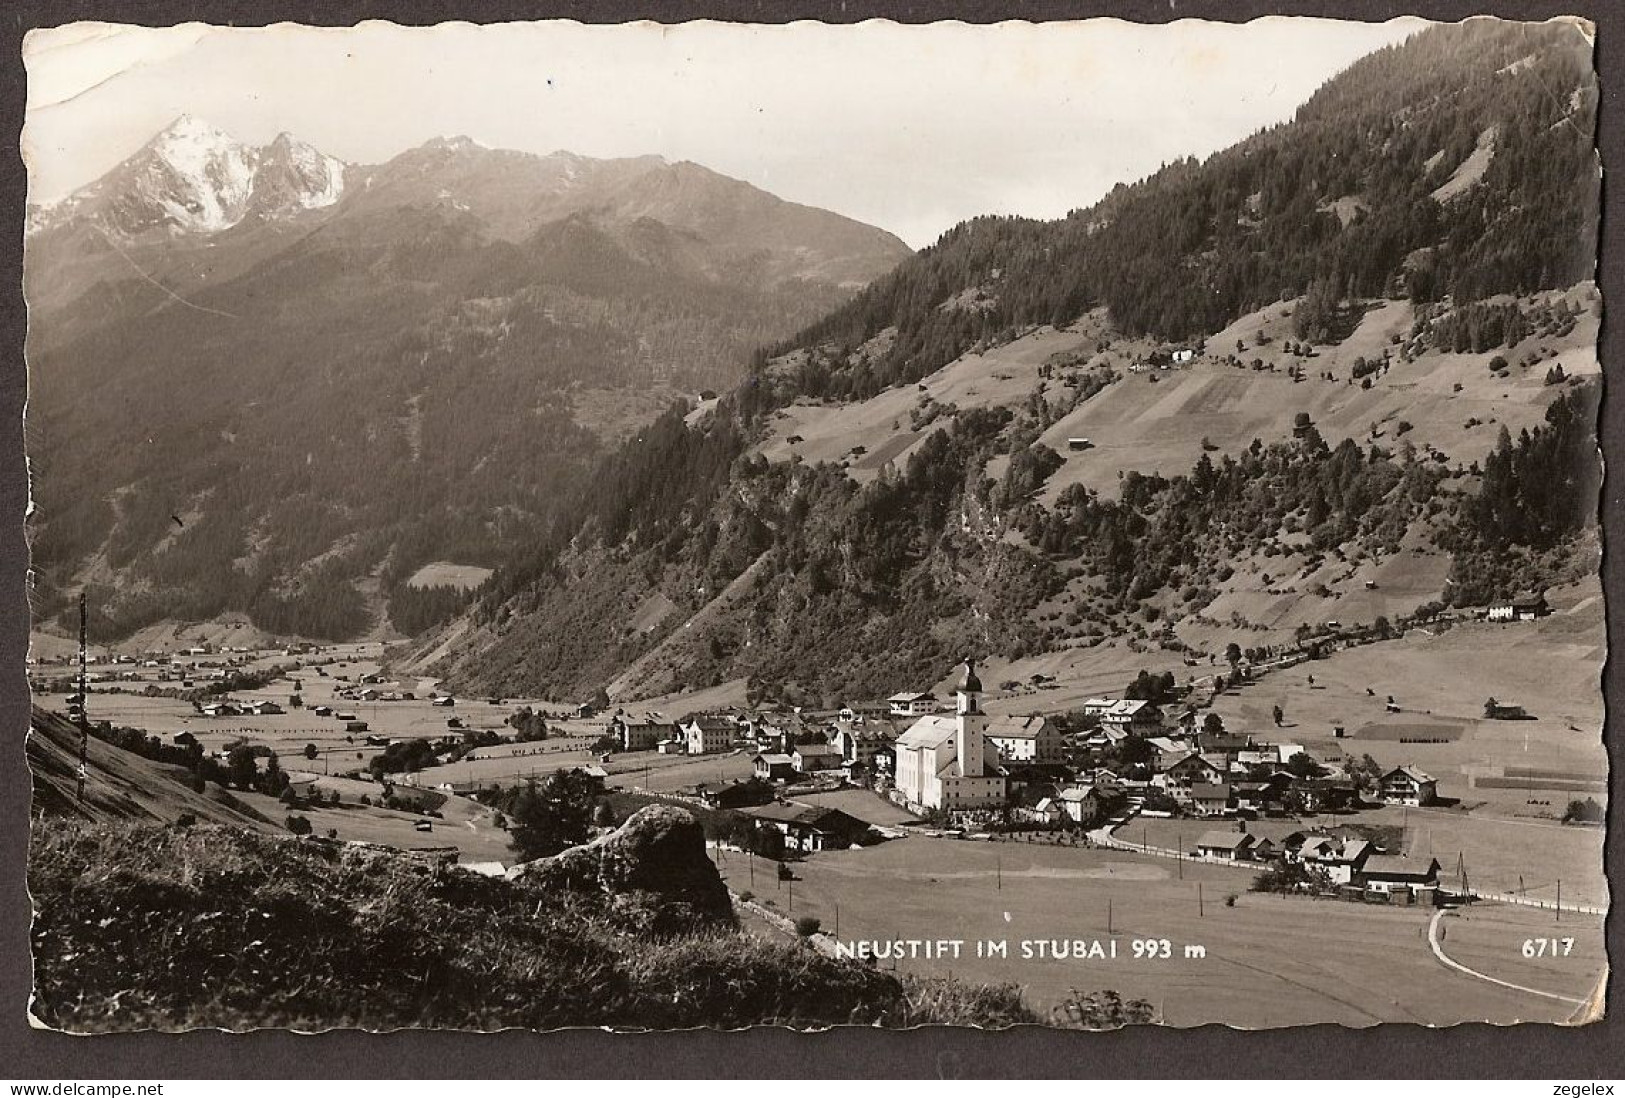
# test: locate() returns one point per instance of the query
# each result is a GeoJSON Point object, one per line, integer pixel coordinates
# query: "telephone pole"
{"type": "Point", "coordinates": [84, 695]}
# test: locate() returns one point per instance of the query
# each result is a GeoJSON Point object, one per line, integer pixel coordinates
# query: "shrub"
{"type": "Point", "coordinates": [299, 825]}
{"type": "Point", "coordinates": [807, 926]}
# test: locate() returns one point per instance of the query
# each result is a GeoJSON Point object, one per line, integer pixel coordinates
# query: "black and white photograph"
{"type": "Point", "coordinates": [1081, 524]}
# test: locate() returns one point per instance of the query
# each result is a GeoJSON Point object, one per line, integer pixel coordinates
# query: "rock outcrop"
{"type": "Point", "coordinates": [653, 868]}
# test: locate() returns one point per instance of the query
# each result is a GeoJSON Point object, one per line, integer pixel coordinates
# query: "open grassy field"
{"type": "Point", "coordinates": [1441, 680]}
{"type": "Point", "coordinates": [444, 573]}
{"type": "Point", "coordinates": [1268, 961]}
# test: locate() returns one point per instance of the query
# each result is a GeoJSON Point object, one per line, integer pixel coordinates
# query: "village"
{"type": "Point", "coordinates": [915, 802]}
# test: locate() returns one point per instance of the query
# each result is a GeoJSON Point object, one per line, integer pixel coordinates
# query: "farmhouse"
{"type": "Point", "coordinates": [860, 742]}
{"type": "Point", "coordinates": [944, 762]}
{"type": "Point", "coordinates": [1393, 873]}
{"type": "Point", "coordinates": [1340, 859]}
{"type": "Point", "coordinates": [1226, 846]}
{"type": "Point", "coordinates": [912, 704]}
{"type": "Point", "coordinates": [1525, 607]}
{"type": "Point", "coordinates": [773, 767]}
{"type": "Point", "coordinates": [1190, 770]}
{"type": "Point", "coordinates": [744, 794]}
{"type": "Point", "coordinates": [1408, 786]}
{"type": "Point", "coordinates": [1210, 799]}
{"type": "Point", "coordinates": [1133, 715]}
{"type": "Point", "coordinates": [806, 828]}
{"type": "Point", "coordinates": [1080, 803]}
{"type": "Point", "coordinates": [809, 758]}
{"type": "Point", "coordinates": [1026, 739]}
{"type": "Point", "coordinates": [1096, 707]}
{"type": "Point", "coordinates": [708, 735]}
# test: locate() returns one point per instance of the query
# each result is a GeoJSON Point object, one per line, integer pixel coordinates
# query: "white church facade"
{"type": "Point", "coordinates": [946, 761]}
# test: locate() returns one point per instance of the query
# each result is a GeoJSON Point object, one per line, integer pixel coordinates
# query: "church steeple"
{"type": "Point", "coordinates": [970, 690]}
{"type": "Point", "coordinates": [969, 744]}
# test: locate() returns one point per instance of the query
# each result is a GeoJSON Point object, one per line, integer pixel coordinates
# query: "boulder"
{"type": "Point", "coordinates": [654, 868]}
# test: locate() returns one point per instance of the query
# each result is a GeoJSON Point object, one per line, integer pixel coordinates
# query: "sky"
{"type": "Point", "coordinates": [912, 128]}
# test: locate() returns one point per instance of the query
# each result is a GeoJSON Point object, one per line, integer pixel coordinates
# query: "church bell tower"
{"type": "Point", "coordinates": [968, 741]}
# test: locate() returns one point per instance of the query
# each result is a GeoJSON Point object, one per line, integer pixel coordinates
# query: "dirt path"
{"type": "Point", "coordinates": [1438, 951]}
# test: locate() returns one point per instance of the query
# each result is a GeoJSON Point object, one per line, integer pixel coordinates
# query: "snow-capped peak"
{"type": "Point", "coordinates": [195, 177]}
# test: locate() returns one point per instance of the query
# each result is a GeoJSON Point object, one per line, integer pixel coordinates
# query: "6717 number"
{"type": "Point", "coordinates": [1547, 947]}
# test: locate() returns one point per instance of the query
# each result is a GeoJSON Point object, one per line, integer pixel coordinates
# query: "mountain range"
{"type": "Point", "coordinates": [263, 380]}
{"type": "Point", "coordinates": [1314, 378]}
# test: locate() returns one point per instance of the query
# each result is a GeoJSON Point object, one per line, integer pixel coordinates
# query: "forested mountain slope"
{"type": "Point", "coordinates": [1433, 206]}
{"type": "Point", "coordinates": [263, 381]}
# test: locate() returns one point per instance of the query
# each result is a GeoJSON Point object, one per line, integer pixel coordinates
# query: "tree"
{"type": "Point", "coordinates": [1212, 724]}
{"type": "Point", "coordinates": [1303, 765]}
{"type": "Point", "coordinates": [299, 825]}
{"type": "Point", "coordinates": [807, 926]}
{"type": "Point", "coordinates": [1586, 811]}
{"type": "Point", "coordinates": [310, 751]}
{"type": "Point", "coordinates": [547, 817]}
{"type": "Point", "coordinates": [241, 767]}
{"type": "Point", "coordinates": [1232, 655]}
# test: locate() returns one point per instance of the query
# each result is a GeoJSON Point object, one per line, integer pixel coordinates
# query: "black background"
{"type": "Point", "coordinates": [1394, 1050]}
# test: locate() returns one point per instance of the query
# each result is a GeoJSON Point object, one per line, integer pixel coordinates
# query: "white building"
{"type": "Point", "coordinates": [708, 735]}
{"type": "Point", "coordinates": [1026, 739]}
{"type": "Point", "coordinates": [912, 704]}
{"type": "Point", "coordinates": [946, 761]}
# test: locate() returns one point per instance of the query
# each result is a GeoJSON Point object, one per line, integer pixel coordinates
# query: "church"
{"type": "Point", "coordinates": [945, 761]}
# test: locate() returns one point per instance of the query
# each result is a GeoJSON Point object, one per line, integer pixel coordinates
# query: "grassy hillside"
{"type": "Point", "coordinates": [119, 785]}
{"type": "Point", "coordinates": [316, 935]}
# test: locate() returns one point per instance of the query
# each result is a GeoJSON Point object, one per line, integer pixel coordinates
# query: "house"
{"type": "Point", "coordinates": [1077, 443]}
{"type": "Point", "coordinates": [912, 704]}
{"type": "Point", "coordinates": [773, 767]}
{"type": "Point", "coordinates": [222, 709]}
{"type": "Point", "coordinates": [1408, 786]}
{"type": "Point", "coordinates": [323, 710]}
{"type": "Point", "coordinates": [1418, 877]}
{"type": "Point", "coordinates": [810, 758]}
{"type": "Point", "coordinates": [1048, 811]}
{"type": "Point", "coordinates": [1226, 846]}
{"type": "Point", "coordinates": [1134, 715]}
{"type": "Point", "coordinates": [1210, 799]}
{"type": "Point", "coordinates": [1096, 707]}
{"type": "Point", "coordinates": [1525, 607]}
{"type": "Point", "coordinates": [1189, 770]}
{"type": "Point", "coordinates": [1340, 859]}
{"type": "Point", "coordinates": [265, 708]}
{"type": "Point", "coordinates": [708, 735]}
{"type": "Point", "coordinates": [1181, 355]}
{"type": "Point", "coordinates": [946, 762]}
{"type": "Point", "coordinates": [861, 741]}
{"type": "Point", "coordinates": [807, 828]}
{"type": "Point", "coordinates": [445, 703]}
{"type": "Point", "coordinates": [641, 733]}
{"type": "Point", "coordinates": [743, 794]}
{"type": "Point", "coordinates": [1026, 739]}
{"type": "Point", "coordinates": [1080, 803]}
{"type": "Point", "coordinates": [585, 711]}
{"type": "Point", "coordinates": [1227, 743]}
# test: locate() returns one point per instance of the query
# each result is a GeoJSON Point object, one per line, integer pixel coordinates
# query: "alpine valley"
{"type": "Point", "coordinates": [266, 384]}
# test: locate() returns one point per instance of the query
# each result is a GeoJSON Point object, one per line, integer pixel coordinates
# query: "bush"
{"type": "Point", "coordinates": [746, 896]}
{"type": "Point", "coordinates": [299, 825]}
{"type": "Point", "coordinates": [807, 926]}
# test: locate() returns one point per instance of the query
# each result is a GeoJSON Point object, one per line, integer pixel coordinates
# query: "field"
{"type": "Point", "coordinates": [1440, 680]}
{"type": "Point", "coordinates": [443, 573]}
{"type": "Point", "coordinates": [1268, 961]}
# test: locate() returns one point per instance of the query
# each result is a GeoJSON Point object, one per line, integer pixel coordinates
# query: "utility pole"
{"type": "Point", "coordinates": [792, 894]}
{"type": "Point", "coordinates": [1201, 913]}
{"type": "Point", "coordinates": [998, 869]}
{"type": "Point", "coordinates": [1179, 856]}
{"type": "Point", "coordinates": [84, 695]}
{"type": "Point", "coordinates": [1108, 914]}
{"type": "Point", "coordinates": [1560, 899]}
